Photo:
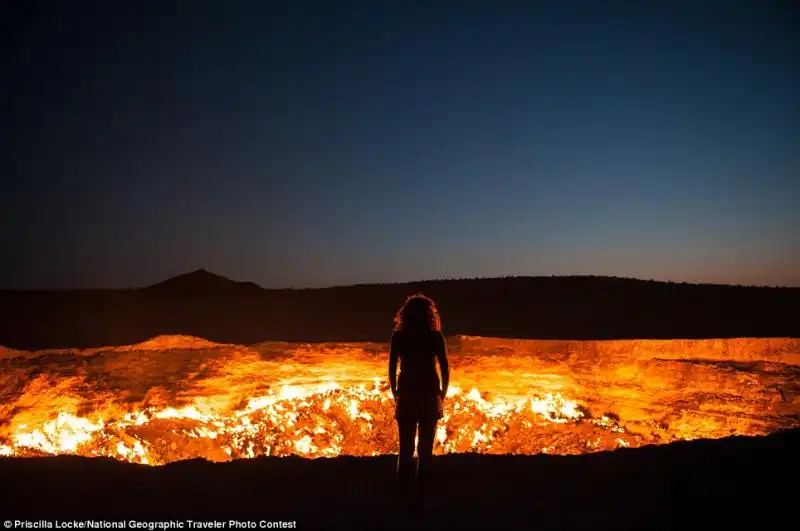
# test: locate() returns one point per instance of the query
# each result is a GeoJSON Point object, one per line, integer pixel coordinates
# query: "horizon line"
{"type": "Point", "coordinates": [402, 283]}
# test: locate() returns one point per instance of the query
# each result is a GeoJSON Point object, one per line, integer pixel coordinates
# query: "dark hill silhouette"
{"type": "Point", "coordinates": [221, 310]}
{"type": "Point", "coordinates": [200, 281]}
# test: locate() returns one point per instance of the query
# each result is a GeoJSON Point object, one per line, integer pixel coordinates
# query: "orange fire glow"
{"type": "Point", "coordinates": [176, 398]}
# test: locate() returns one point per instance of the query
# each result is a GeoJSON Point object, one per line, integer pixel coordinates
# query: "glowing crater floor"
{"type": "Point", "coordinates": [175, 397]}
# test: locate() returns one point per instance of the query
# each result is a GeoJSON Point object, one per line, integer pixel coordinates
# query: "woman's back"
{"type": "Point", "coordinates": [417, 354]}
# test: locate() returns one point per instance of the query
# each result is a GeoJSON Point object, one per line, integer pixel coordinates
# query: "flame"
{"type": "Point", "coordinates": [305, 420]}
{"type": "Point", "coordinates": [329, 402]}
{"type": "Point", "coordinates": [62, 435]}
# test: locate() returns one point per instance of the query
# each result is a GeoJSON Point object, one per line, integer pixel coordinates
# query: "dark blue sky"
{"type": "Point", "coordinates": [334, 143]}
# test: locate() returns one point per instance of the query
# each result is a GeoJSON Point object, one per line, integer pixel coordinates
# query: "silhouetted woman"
{"type": "Point", "coordinates": [417, 342]}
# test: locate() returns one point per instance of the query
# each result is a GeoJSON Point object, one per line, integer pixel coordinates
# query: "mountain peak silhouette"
{"type": "Point", "coordinates": [200, 280]}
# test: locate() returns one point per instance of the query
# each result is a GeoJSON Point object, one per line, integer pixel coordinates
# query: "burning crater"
{"type": "Point", "coordinates": [175, 397]}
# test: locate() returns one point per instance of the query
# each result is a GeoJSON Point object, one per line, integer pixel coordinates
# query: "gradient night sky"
{"type": "Point", "coordinates": [329, 143]}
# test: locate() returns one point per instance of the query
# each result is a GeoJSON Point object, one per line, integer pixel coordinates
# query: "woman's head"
{"type": "Point", "coordinates": [418, 312]}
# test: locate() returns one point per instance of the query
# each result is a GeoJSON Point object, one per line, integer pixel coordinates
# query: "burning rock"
{"type": "Point", "coordinates": [223, 402]}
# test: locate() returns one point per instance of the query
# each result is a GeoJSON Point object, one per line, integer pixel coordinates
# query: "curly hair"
{"type": "Point", "coordinates": [418, 311]}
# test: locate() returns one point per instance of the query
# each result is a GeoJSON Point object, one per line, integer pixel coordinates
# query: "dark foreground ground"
{"type": "Point", "coordinates": [740, 482]}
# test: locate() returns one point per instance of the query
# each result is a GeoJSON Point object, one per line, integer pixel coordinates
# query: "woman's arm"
{"type": "Point", "coordinates": [393, 366]}
{"type": "Point", "coordinates": [444, 368]}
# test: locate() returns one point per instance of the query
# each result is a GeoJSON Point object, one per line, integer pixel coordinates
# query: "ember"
{"type": "Point", "coordinates": [167, 400]}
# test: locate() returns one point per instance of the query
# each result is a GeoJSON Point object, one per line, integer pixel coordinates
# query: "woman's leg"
{"type": "Point", "coordinates": [427, 435]}
{"type": "Point", "coordinates": [405, 460]}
